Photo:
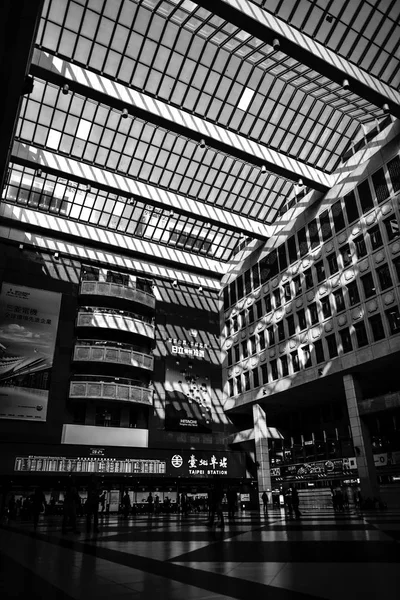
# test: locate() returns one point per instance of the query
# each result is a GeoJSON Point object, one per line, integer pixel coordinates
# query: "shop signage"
{"type": "Point", "coordinates": [387, 458]}
{"type": "Point", "coordinates": [194, 349]}
{"type": "Point", "coordinates": [315, 469]}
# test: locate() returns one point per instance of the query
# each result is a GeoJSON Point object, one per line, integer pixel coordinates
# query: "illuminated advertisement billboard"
{"type": "Point", "coordinates": [28, 329]}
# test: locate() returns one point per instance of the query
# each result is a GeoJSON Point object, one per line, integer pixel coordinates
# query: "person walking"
{"type": "Point", "coordinates": [288, 503]}
{"type": "Point", "coordinates": [231, 497]}
{"type": "Point", "coordinates": [71, 501]}
{"type": "Point", "coordinates": [38, 504]}
{"type": "Point", "coordinates": [126, 505]}
{"type": "Point", "coordinates": [150, 503]}
{"type": "Point", "coordinates": [264, 498]}
{"type": "Point", "coordinates": [92, 506]}
{"type": "Point", "coordinates": [296, 502]}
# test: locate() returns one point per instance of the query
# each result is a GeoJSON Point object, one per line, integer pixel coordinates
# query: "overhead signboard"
{"type": "Point", "coordinates": [196, 464]}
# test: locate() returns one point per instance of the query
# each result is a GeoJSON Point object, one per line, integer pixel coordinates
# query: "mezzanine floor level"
{"type": "Point", "coordinates": [323, 555]}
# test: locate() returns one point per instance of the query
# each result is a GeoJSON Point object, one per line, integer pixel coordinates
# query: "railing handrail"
{"type": "Point", "coordinates": [119, 285]}
{"type": "Point", "coordinates": [96, 312]}
{"type": "Point", "coordinates": [104, 347]}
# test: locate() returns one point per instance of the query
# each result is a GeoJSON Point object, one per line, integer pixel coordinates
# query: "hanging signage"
{"type": "Point", "coordinates": [206, 464]}
{"type": "Point", "coordinates": [170, 463]}
{"type": "Point", "coordinates": [320, 469]}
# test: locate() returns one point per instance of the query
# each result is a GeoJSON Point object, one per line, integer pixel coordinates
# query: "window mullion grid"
{"type": "Point", "coordinates": [221, 186]}
{"type": "Point", "coordinates": [93, 41]}
{"type": "Point", "coordinates": [155, 163]}
{"type": "Point", "coordinates": [145, 34]}
{"type": "Point", "coordinates": [260, 111]}
{"type": "Point", "coordinates": [172, 52]}
{"type": "Point", "coordinates": [151, 66]}
{"type": "Point", "coordinates": [135, 139]}
{"type": "Point", "coordinates": [190, 160]}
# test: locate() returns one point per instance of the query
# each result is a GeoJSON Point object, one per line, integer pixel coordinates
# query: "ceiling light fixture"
{"type": "Point", "coordinates": [385, 108]}
{"type": "Point", "coordinates": [200, 289]}
{"type": "Point", "coordinates": [263, 169]}
{"type": "Point", "coordinates": [88, 188]}
{"type": "Point", "coordinates": [346, 84]}
{"type": "Point", "coordinates": [175, 283]}
{"type": "Point", "coordinates": [56, 255]}
{"type": "Point", "coordinates": [276, 44]}
{"type": "Point", "coordinates": [300, 182]}
{"type": "Point", "coordinates": [39, 173]}
{"type": "Point", "coordinates": [125, 113]}
{"type": "Point", "coordinates": [202, 143]}
{"type": "Point", "coordinates": [65, 89]}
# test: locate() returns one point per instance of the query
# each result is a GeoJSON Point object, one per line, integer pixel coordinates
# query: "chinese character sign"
{"type": "Point", "coordinates": [201, 463]}
{"type": "Point", "coordinates": [28, 329]}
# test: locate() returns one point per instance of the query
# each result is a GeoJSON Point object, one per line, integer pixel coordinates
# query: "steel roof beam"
{"type": "Point", "coordinates": [62, 166]}
{"type": "Point", "coordinates": [251, 18]}
{"type": "Point", "coordinates": [28, 219]}
{"type": "Point", "coordinates": [138, 104]}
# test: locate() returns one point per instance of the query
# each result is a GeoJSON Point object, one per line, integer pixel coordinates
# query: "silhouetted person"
{"type": "Point", "coordinates": [296, 502]}
{"type": "Point", "coordinates": [126, 505]}
{"type": "Point", "coordinates": [150, 506]}
{"type": "Point", "coordinates": [71, 501]}
{"type": "Point", "coordinates": [217, 495]}
{"type": "Point", "coordinates": [92, 506]}
{"type": "Point", "coordinates": [231, 497]}
{"type": "Point", "coordinates": [38, 504]}
{"type": "Point", "coordinates": [264, 498]}
{"type": "Point", "coordinates": [288, 502]}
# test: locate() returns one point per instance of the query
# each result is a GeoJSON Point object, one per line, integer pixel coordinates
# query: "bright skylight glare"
{"type": "Point", "coordinates": [246, 99]}
{"type": "Point", "coordinates": [53, 139]}
{"type": "Point", "coordinates": [83, 129]}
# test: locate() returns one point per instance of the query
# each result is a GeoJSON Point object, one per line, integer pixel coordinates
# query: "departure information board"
{"type": "Point", "coordinates": [60, 464]}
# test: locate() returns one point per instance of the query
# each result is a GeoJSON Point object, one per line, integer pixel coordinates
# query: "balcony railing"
{"type": "Point", "coordinates": [113, 355]}
{"type": "Point", "coordinates": [114, 321]}
{"type": "Point", "coordinates": [111, 391]}
{"type": "Point", "coordinates": [117, 290]}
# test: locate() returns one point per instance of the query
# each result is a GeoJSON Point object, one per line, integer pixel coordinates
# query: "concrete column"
{"type": "Point", "coordinates": [361, 440]}
{"type": "Point", "coordinates": [261, 450]}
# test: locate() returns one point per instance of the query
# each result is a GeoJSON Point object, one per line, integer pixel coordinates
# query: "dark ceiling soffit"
{"type": "Point", "coordinates": [88, 92]}
{"type": "Point", "coordinates": [303, 55]}
{"type": "Point", "coordinates": [110, 190]}
{"type": "Point", "coordinates": [67, 237]}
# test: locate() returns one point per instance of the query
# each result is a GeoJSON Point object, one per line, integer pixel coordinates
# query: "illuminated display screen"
{"type": "Point", "coordinates": [59, 464]}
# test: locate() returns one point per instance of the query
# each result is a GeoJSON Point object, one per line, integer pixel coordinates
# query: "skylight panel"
{"type": "Point", "coordinates": [53, 139]}
{"type": "Point", "coordinates": [246, 99]}
{"type": "Point", "coordinates": [83, 129]}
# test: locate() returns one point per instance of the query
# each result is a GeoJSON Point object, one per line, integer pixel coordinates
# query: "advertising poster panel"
{"type": "Point", "coordinates": [28, 329]}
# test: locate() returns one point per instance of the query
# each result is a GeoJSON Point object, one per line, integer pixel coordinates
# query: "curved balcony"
{"type": "Point", "coordinates": [110, 354]}
{"type": "Point", "coordinates": [117, 290]}
{"type": "Point", "coordinates": [107, 390]}
{"type": "Point", "coordinates": [112, 320]}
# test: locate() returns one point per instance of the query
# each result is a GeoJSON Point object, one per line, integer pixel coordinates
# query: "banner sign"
{"type": "Point", "coordinates": [28, 329]}
{"type": "Point", "coordinates": [199, 464]}
{"type": "Point", "coordinates": [320, 469]}
{"type": "Point", "coordinates": [387, 458]}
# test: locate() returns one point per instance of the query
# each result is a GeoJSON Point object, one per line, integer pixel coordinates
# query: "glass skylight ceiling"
{"type": "Point", "coordinates": [185, 56]}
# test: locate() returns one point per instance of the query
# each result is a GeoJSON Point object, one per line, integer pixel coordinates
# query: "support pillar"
{"type": "Point", "coordinates": [361, 440]}
{"type": "Point", "coordinates": [261, 451]}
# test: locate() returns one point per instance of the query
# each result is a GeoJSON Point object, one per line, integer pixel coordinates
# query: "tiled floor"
{"type": "Point", "coordinates": [323, 555]}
